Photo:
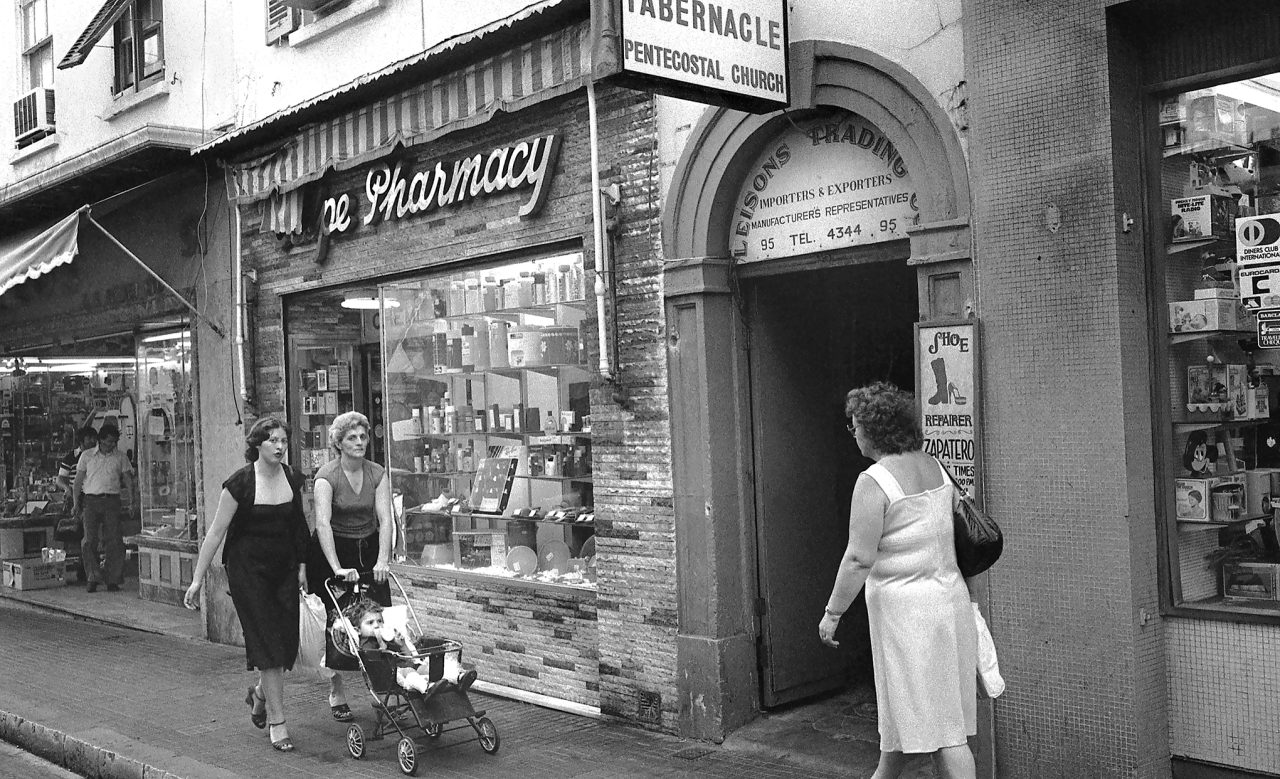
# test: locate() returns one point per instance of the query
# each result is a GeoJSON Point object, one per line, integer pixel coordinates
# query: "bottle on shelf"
{"type": "Point", "coordinates": [549, 424]}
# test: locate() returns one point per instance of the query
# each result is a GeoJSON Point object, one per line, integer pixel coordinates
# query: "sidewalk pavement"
{"type": "Point", "coordinates": [108, 701]}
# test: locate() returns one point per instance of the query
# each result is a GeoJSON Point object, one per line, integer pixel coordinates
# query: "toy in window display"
{"type": "Point", "coordinates": [1199, 457]}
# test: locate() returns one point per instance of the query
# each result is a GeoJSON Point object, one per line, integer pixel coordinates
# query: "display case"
{"type": "Point", "coordinates": [166, 445]}
{"type": "Point", "coordinates": [321, 386]}
{"type": "Point", "coordinates": [1219, 166]}
{"type": "Point", "coordinates": [488, 419]}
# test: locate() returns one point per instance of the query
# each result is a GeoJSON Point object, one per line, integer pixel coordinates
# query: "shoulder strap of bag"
{"type": "Point", "coordinates": [892, 490]}
{"type": "Point", "coordinates": [947, 474]}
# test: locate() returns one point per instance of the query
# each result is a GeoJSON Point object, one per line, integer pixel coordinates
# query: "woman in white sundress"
{"type": "Point", "coordinates": [901, 545]}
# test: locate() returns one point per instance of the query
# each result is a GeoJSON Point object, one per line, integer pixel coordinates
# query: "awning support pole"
{"type": "Point", "coordinates": [212, 325]}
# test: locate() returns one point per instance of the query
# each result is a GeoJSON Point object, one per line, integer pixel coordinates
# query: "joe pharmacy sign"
{"type": "Point", "coordinates": [395, 192]}
{"type": "Point", "coordinates": [736, 49]}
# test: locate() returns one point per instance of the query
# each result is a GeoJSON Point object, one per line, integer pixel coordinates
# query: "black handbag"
{"type": "Point", "coordinates": [979, 541]}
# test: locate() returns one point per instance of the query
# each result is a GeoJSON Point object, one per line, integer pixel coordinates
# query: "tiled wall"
{"type": "Point", "coordinates": [1224, 692]}
{"type": "Point", "coordinates": [1066, 412]}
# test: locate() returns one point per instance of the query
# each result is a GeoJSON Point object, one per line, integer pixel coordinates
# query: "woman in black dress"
{"type": "Point", "coordinates": [260, 517]}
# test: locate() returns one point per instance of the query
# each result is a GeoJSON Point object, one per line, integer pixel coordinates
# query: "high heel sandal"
{"type": "Point", "coordinates": [258, 718]}
{"type": "Point", "coordinates": [283, 745]}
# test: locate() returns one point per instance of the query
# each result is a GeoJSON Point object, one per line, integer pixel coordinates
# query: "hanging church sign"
{"type": "Point", "coordinates": [724, 53]}
{"type": "Point", "coordinates": [823, 184]}
{"type": "Point", "coordinates": [397, 192]}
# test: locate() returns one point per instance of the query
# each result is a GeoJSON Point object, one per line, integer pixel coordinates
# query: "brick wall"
{"type": "Point", "coordinates": [616, 648]}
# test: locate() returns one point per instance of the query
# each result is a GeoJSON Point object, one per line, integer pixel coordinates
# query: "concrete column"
{"type": "Point", "coordinates": [716, 642]}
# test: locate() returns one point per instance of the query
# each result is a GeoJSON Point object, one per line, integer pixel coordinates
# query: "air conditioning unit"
{"type": "Point", "coordinates": [33, 116]}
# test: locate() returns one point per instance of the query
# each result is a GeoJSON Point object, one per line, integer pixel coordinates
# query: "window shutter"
{"type": "Point", "coordinates": [281, 20]}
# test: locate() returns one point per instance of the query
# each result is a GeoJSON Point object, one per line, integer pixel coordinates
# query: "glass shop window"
{"type": "Point", "coordinates": [1219, 190]}
{"type": "Point", "coordinates": [489, 420]}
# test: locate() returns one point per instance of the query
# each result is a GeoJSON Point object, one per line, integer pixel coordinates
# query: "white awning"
{"type": "Point", "coordinates": [36, 252]}
{"type": "Point", "coordinates": [31, 255]}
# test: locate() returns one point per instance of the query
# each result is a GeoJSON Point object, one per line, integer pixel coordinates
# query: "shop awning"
{"type": "Point", "coordinates": [39, 251]}
{"type": "Point", "coordinates": [107, 15]}
{"type": "Point", "coordinates": [538, 70]}
{"type": "Point", "coordinates": [33, 254]}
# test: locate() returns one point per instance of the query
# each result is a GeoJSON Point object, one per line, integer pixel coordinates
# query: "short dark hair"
{"type": "Point", "coordinates": [260, 432]}
{"type": "Point", "coordinates": [86, 432]}
{"type": "Point", "coordinates": [109, 430]}
{"type": "Point", "coordinates": [887, 416]}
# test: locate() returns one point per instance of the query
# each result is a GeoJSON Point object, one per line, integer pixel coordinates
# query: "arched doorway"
{"type": "Point", "coordinates": [738, 331]}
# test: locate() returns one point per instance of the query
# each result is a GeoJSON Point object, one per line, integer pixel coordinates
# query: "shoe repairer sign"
{"type": "Point", "coordinates": [730, 53]}
{"type": "Point", "coordinates": [946, 354]}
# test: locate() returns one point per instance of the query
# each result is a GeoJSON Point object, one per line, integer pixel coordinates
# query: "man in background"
{"type": "Point", "coordinates": [102, 491]}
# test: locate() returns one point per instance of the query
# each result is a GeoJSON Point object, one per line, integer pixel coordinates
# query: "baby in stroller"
{"type": "Point", "coordinates": [411, 673]}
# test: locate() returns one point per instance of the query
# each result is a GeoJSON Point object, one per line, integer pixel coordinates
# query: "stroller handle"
{"type": "Point", "coordinates": [365, 580]}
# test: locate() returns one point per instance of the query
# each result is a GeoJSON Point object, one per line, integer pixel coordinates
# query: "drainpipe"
{"type": "Point", "coordinates": [597, 223]}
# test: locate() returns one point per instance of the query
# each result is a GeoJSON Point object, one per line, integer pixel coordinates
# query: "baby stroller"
{"type": "Point", "coordinates": [401, 711]}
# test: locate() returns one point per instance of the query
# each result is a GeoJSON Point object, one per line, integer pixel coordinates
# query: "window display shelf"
{"type": "Point", "coordinates": [1185, 427]}
{"type": "Point", "coordinates": [1209, 524]}
{"type": "Point", "coordinates": [1186, 246]}
{"type": "Point", "coordinates": [1209, 335]}
{"type": "Point", "coordinates": [515, 314]}
{"type": "Point", "coordinates": [557, 437]}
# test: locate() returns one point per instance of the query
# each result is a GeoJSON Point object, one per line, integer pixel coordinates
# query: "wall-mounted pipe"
{"type": "Point", "coordinates": [597, 223]}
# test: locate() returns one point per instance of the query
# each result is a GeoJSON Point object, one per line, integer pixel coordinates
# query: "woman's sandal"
{"type": "Point", "coordinates": [258, 718]}
{"type": "Point", "coordinates": [342, 712]}
{"type": "Point", "coordinates": [283, 745]}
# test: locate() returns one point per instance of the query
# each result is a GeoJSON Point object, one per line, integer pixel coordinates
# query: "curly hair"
{"type": "Point", "coordinates": [344, 424]}
{"type": "Point", "coordinates": [260, 432]}
{"type": "Point", "coordinates": [355, 611]}
{"type": "Point", "coordinates": [887, 416]}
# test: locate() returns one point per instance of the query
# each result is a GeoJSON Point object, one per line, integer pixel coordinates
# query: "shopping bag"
{"type": "Point", "coordinates": [988, 665]}
{"type": "Point", "coordinates": [69, 529]}
{"type": "Point", "coordinates": [311, 621]}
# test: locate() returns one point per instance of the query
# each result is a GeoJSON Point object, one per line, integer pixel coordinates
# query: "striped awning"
{"type": "Point", "coordinates": [541, 69]}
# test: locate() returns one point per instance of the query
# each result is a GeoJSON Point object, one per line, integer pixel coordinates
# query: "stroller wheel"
{"type": "Point", "coordinates": [488, 733]}
{"type": "Point", "coordinates": [433, 729]}
{"type": "Point", "coordinates": [355, 741]}
{"type": "Point", "coordinates": [407, 756]}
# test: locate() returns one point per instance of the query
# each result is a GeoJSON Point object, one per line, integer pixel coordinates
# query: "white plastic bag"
{"type": "Point", "coordinates": [988, 665]}
{"type": "Point", "coordinates": [311, 620]}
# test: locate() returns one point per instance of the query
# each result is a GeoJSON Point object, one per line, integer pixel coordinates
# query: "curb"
{"type": "Point", "coordinates": [75, 755]}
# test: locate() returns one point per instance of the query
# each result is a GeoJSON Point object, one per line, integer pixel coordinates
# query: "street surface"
{"type": "Point", "coordinates": [172, 704]}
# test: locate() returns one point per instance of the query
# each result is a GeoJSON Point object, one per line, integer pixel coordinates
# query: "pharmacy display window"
{"type": "Point", "coordinates": [1217, 309]}
{"type": "Point", "coordinates": [489, 445]}
{"type": "Point", "coordinates": [166, 454]}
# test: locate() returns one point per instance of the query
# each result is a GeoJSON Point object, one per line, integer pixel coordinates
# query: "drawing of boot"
{"type": "Point", "coordinates": [940, 395]}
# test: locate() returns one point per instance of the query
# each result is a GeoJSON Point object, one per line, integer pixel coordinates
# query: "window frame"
{"type": "Point", "coordinates": [135, 32]}
{"type": "Point", "coordinates": [35, 50]}
{"type": "Point", "coordinates": [1172, 603]}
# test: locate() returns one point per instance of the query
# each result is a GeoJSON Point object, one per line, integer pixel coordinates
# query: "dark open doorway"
{"type": "Point", "coordinates": [814, 335]}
